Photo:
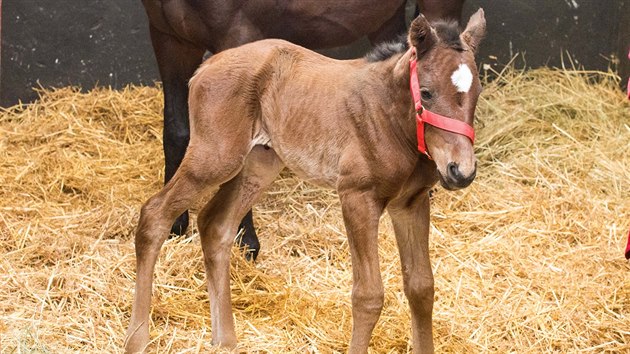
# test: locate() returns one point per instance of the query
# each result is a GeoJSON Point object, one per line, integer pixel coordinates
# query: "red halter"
{"type": "Point", "coordinates": [426, 116]}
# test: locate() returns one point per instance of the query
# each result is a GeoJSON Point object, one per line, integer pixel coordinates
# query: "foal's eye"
{"type": "Point", "coordinates": [426, 95]}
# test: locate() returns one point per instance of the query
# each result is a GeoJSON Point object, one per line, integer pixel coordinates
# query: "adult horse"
{"type": "Point", "coordinates": [252, 110]}
{"type": "Point", "coordinates": [182, 30]}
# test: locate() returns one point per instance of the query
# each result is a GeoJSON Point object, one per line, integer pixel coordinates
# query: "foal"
{"type": "Point", "coordinates": [182, 30]}
{"type": "Point", "coordinates": [350, 125]}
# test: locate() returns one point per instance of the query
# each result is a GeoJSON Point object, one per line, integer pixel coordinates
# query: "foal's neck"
{"type": "Point", "coordinates": [394, 75]}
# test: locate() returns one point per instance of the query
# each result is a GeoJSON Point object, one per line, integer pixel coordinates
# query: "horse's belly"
{"type": "Point", "coordinates": [317, 167]}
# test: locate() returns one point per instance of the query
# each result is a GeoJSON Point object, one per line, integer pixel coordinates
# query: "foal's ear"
{"type": "Point", "coordinates": [475, 30]}
{"type": "Point", "coordinates": [421, 35]}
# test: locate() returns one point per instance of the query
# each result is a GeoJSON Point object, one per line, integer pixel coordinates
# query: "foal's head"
{"type": "Point", "coordinates": [449, 86]}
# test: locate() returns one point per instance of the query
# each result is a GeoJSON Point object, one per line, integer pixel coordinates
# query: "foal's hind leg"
{"type": "Point", "coordinates": [218, 222]}
{"type": "Point", "coordinates": [195, 174]}
{"type": "Point", "coordinates": [177, 62]}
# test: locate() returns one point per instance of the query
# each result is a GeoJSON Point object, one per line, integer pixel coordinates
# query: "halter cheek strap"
{"type": "Point", "coordinates": [425, 116]}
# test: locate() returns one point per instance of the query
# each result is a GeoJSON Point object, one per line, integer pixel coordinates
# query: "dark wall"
{"type": "Point", "coordinates": [72, 42]}
{"type": "Point", "coordinates": [592, 33]}
{"type": "Point", "coordinates": [106, 42]}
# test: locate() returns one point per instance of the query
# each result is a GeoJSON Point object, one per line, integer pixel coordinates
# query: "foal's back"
{"type": "Point", "coordinates": [285, 97]}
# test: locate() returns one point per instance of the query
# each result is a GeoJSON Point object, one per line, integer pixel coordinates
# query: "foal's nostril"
{"type": "Point", "coordinates": [453, 171]}
{"type": "Point", "coordinates": [454, 178]}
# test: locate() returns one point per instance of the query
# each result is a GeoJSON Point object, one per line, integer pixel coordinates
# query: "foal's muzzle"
{"type": "Point", "coordinates": [454, 179]}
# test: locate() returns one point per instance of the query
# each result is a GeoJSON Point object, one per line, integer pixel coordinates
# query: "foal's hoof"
{"type": "Point", "coordinates": [180, 226]}
{"type": "Point", "coordinates": [137, 339]}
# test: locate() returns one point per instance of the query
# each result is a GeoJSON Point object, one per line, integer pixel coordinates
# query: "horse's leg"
{"type": "Point", "coordinates": [177, 61]}
{"type": "Point", "coordinates": [392, 29]}
{"type": "Point", "coordinates": [218, 221]}
{"type": "Point", "coordinates": [248, 240]}
{"type": "Point", "coordinates": [197, 172]}
{"type": "Point", "coordinates": [411, 226]}
{"type": "Point", "coordinates": [442, 9]}
{"type": "Point", "coordinates": [361, 212]}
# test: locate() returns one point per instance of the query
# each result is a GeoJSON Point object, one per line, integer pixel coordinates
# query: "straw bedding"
{"type": "Point", "coordinates": [527, 259]}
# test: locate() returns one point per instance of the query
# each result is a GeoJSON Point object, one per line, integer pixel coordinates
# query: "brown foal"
{"type": "Point", "coordinates": [182, 30]}
{"type": "Point", "coordinates": [349, 125]}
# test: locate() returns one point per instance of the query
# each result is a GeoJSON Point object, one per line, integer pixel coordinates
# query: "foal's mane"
{"type": "Point", "coordinates": [447, 31]}
{"type": "Point", "coordinates": [386, 50]}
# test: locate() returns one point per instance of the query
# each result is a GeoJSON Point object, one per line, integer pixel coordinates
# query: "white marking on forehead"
{"type": "Point", "coordinates": [462, 78]}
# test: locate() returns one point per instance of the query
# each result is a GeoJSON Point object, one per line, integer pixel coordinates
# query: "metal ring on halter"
{"type": "Point", "coordinates": [420, 110]}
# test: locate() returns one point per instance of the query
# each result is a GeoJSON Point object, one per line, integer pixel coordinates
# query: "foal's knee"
{"type": "Point", "coordinates": [216, 232]}
{"type": "Point", "coordinates": [420, 292]}
{"type": "Point", "coordinates": [212, 220]}
{"type": "Point", "coordinates": [151, 212]}
{"type": "Point", "coordinates": [151, 225]}
{"type": "Point", "coordinates": [368, 301]}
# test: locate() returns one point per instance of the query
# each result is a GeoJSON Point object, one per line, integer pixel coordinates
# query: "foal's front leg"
{"type": "Point", "coordinates": [410, 218]}
{"type": "Point", "coordinates": [361, 212]}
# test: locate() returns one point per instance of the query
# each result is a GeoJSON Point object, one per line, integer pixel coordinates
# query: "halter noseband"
{"type": "Point", "coordinates": [425, 116]}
